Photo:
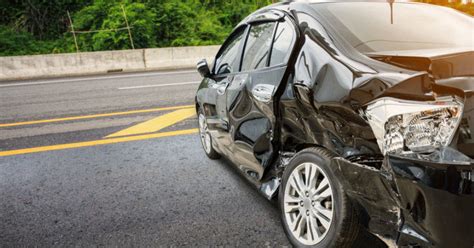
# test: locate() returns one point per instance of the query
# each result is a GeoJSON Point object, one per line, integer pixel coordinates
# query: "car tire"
{"type": "Point", "coordinates": [316, 207]}
{"type": "Point", "coordinates": [205, 137]}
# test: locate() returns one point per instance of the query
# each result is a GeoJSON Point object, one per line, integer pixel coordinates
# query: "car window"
{"type": "Point", "coordinates": [258, 45]}
{"type": "Point", "coordinates": [228, 60]}
{"type": "Point", "coordinates": [373, 27]}
{"type": "Point", "coordinates": [284, 38]}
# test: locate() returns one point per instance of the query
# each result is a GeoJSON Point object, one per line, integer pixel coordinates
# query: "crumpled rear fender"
{"type": "Point", "coordinates": [415, 200]}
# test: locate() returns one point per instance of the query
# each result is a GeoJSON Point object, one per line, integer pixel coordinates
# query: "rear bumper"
{"type": "Point", "coordinates": [436, 198]}
{"type": "Point", "coordinates": [413, 200]}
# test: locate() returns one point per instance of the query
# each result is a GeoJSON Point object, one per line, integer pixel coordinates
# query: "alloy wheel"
{"type": "Point", "coordinates": [308, 204]}
{"type": "Point", "coordinates": [204, 134]}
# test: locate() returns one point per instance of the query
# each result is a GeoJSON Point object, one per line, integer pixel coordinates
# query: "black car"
{"type": "Point", "coordinates": [357, 115]}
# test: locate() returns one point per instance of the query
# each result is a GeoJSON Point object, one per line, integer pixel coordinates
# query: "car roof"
{"type": "Point", "coordinates": [285, 6]}
{"type": "Point", "coordinates": [341, 1]}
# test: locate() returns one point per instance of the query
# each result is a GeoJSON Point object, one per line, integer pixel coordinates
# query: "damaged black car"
{"type": "Point", "coordinates": [356, 116]}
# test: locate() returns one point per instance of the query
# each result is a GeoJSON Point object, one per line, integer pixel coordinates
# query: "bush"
{"type": "Point", "coordinates": [14, 42]}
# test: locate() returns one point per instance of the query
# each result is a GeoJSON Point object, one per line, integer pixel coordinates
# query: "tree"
{"type": "Point", "coordinates": [188, 22]}
{"type": "Point", "coordinates": [44, 19]}
{"type": "Point", "coordinates": [108, 16]}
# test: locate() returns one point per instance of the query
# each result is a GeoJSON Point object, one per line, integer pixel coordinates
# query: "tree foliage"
{"type": "Point", "coordinates": [42, 26]}
{"type": "Point", "coordinates": [466, 8]}
{"type": "Point", "coordinates": [24, 43]}
{"type": "Point", "coordinates": [109, 16]}
{"type": "Point", "coordinates": [44, 19]}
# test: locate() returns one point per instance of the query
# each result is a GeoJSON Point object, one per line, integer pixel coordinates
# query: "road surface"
{"type": "Point", "coordinates": [115, 161]}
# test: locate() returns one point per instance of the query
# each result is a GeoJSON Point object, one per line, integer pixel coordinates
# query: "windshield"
{"type": "Point", "coordinates": [375, 27]}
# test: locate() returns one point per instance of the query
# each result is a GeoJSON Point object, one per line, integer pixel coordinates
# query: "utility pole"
{"type": "Point", "coordinates": [128, 26]}
{"type": "Point", "coordinates": [73, 32]}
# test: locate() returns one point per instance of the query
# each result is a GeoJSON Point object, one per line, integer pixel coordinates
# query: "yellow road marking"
{"type": "Point", "coordinates": [156, 124]}
{"type": "Point", "coordinates": [97, 142]}
{"type": "Point", "coordinates": [93, 116]}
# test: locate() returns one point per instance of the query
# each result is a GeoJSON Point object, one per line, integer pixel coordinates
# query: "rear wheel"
{"type": "Point", "coordinates": [315, 211]}
{"type": "Point", "coordinates": [206, 139]}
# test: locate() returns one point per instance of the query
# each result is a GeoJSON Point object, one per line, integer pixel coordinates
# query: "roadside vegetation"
{"type": "Point", "coordinates": [43, 26]}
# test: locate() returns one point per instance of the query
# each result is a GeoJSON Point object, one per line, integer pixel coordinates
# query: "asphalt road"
{"type": "Point", "coordinates": [66, 180]}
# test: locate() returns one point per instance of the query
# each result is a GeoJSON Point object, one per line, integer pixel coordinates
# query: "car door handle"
{"type": "Point", "coordinates": [222, 88]}
{"type": "Point", "coordinates": [263, 92]}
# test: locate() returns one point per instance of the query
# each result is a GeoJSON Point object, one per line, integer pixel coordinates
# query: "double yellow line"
{"type": "Point", "coordinates": [142, 131]}
{"type": "Point", "coordinates": [84, 117]}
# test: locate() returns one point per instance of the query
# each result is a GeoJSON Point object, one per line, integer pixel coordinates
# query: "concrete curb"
{"type": "Point", "coordinates": [96, 63]}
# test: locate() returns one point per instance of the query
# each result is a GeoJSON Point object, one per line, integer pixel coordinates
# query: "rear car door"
{"type": "Point", "coordinates": [251, 94]}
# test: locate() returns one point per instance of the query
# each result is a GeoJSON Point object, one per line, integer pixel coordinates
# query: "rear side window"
{"type": "Point", "coordinates": [228, 60]}
{"type": "Point", "coordinates": [258, 46]}
{"type": "Point", "coordinates": [284, 39]}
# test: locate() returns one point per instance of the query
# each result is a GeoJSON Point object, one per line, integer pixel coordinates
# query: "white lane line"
{"type": "Point", "coordinates": [157, 85]}
{"type": "Point", "coordinates": [56, 81]}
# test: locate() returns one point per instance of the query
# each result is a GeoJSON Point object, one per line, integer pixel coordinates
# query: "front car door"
{"type": "Point", "coordinates": [211, 94]}
{"type": "Point", "coordinates": [227, 64]}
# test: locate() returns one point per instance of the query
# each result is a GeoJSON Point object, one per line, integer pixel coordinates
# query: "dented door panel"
{"type": "Point", "coordinates": [252, 119]}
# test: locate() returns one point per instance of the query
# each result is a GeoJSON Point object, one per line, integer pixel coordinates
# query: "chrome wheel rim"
{"type": "Point", "coordinates": [204, 134]}
{"type": "Point", "coordinates": [308, 204]}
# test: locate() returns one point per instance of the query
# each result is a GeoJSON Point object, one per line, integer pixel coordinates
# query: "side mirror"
{"type": "Point", "coordinates": [203, 68]}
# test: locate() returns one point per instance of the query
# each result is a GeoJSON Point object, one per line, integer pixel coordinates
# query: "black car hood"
{"type": "Point", "coordinates": [440, 63]}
